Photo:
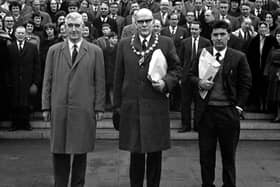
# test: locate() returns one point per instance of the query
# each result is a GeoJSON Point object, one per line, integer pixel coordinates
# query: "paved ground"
{"type": "Point", "coordinates": [27, 163]}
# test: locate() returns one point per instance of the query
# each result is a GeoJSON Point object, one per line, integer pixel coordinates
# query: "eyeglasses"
{"type": "Point", "coordinates": [144, 21]}
{"type": "Point", "coordinates": [71, 25]}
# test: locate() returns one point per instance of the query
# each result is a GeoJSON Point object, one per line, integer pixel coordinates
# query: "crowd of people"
{"type": "Point", "coordinates": [60, 57]}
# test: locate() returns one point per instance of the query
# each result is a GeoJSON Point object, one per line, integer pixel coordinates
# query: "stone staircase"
{"type": "Point", "coordinates": [256, 126]}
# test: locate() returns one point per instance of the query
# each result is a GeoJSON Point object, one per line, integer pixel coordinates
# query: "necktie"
{"type": "Point", "coordinates": [20, 47]}
{"type": "Point", "coordinates": [194, 48]}
{"type": "Point", "coordinates": [246, 35]}
{"type": "Point", "coordinates": [223, 17]}
{"type": "Point", "coordinates": [74, 54]}
{"type": "Point", "coordinates": [218, 56]}
{"type": "Point", "coordinates": [144, 44]}
{"type": "Point", "coordinates": [173, 31]}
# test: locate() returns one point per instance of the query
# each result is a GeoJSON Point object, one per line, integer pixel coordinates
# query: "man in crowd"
{"type": "Point", "coordinates": [73, 98]}
{"type": "Point", "coordinates": [188, 53]}
{"type": "Point", "coordinates": [24, 78]}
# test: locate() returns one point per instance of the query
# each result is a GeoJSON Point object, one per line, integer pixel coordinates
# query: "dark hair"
{"type": "Point", "coordinates": [36, 14]}
{"type": "Point", "coordinates": [113, 3]}
{"type": "Point", "coordinates": [86, 1]}
{"type": "Point", "coordinates": [14, 4]}
{"type": "Point", "coordinates": [29, 22]}
{"type": "Point", "coordinates": [220, 24]}
{"type": "Point", "coordinates": [262, 23]}
{"type": "Point", "coordinates": [60, 13]}
{"type": "Point", "coordinates": [106, 25]}
{"type": "Point", "coordinates": [224, 2]}
{"type": "Point", "coordinates": [73, 3]}
{"type": "Point", "coordinates": [50, 25]}
{"type": "Point", "coordinates": [246, 4]}
{"type": "Point", "coordinates": [277, 31]}
{"type": "Point", "coordinates": [112, 34]}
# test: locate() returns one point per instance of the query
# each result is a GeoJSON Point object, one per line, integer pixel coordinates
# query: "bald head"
{"type": "Point", "coordinates": [144, 21]}
{"type": "Point", "coordinates": [144, 12]}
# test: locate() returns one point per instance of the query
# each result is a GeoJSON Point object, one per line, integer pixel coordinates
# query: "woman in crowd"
{"type": "Point", "coordinates": [30, 36]}
{"type": "Point", "coordinates": [61, 36]}
{"type": "Point", "coordinates": [268, 18]}
{"type": "Point", "coordinates": [52, 9]}
{"type": "Point", "coordinates": [272, 71]}
{"type": "Point", "coordinates": [87, 32]}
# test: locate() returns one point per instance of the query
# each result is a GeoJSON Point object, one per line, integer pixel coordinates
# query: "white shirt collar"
{"type": "Point", "coordinates": [222, 52]}
{"type": "Point", "coordinates": [22, 44]}
{"type": "Point", "coordinates": [171, 29]}
{"type": "Point", "coordinates": [71, 45]}
{"type": "Point", "coordinates": [147, 38]}
{"type": "Point", "coordinates": [197, 39]}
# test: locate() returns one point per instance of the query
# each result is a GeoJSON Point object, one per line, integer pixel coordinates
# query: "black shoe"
{"type": "Point", "coordinates": [28, 128]}
{"type": "Point", "coordinates": [275, 120]}
{"type": "Point", "coordinates": [184, 130]}
{"type": "Point", "coordinates": [12, 129]}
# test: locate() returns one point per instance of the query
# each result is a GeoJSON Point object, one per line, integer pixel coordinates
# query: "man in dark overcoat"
{"type": "Point", "coordinates": [74, 96]}
{"type": "Point", "coordinates": [218, 114]}
{"type": "Point", "coordinates": [143, 104]}
{"type": "Point", "coordinates": [24, 77]}
{"type": "Point", "coordinates": [5, 98]}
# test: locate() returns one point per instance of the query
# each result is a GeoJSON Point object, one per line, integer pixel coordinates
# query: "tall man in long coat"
{"type": "Point", "coordinates": [218, 115]}
{"type": "Point", "coordinates": [143, 104]}
{"type": "Point", "coordinates": [74, 95]}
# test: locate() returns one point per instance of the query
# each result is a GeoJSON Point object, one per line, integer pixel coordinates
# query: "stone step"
{"type": "Point", "coordinates": [177, 115]}
{"type": "Point", "coordinates": [111, 134]}
{"type": "Point", "coordinates": [175, 124]}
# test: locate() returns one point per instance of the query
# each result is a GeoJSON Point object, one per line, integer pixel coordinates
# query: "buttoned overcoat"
{"type": "Point", "coordinates": [73, 93]}
{"type": "Point", "coordinates": [144, 111]}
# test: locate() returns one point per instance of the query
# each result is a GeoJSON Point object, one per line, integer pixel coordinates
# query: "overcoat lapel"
{"type": "Point", "coordinates": [66, 53]}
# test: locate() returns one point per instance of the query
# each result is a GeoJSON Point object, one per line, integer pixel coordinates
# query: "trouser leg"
{"type": "Point", "coordinates": [154, 169]}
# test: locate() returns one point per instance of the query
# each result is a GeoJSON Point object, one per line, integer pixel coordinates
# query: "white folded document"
{"type": "Point", "coordinates": [208, 68]}
{"type": "Point", "coordinates": [158, 66]}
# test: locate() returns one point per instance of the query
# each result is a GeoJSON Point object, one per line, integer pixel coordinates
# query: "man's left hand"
{"type": "Point", "coordinates": [159, 85]}
{"type": "Point", "coordinates": [99, 116]}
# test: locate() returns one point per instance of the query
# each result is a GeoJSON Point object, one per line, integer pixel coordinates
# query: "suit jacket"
{"type": "Point", "coordinates": [181, 33]}
{"type": "Point", "coordinates": [261, 15]}
{"type": "Point", "coordinates": [159, 17]}
{"type": "Point", "coordinates": [186, 54]}
{"type": "Point", "coordinates": [142, 108]}
{"type": "Point", "coordinates": [154, 6]}
{"type": "Point", "coordinates": [24, 70]}
{"type": "Point", "coordinates": [120, 24]}
{"type": "Point", "coordinates": [238, 43]}
{"type": "Point", "coordinates": [97, 23]}
{"type": "Point", "coordinates": [124, 9]}
{"type": "Point", "coordinates": [73, 105]}
{"type": "Point", "coordinates": [237, 79]}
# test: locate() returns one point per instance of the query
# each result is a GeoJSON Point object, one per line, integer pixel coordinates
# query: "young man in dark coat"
{"type": "Point", "coordinates": [142, 102]}
{"type": "Point", "coordinates": [218, 114]}
{"type": "Point", "coordinates": [24, 77]}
